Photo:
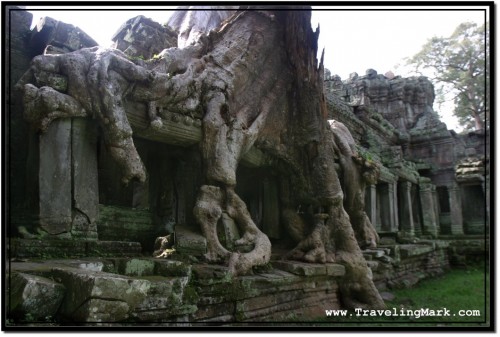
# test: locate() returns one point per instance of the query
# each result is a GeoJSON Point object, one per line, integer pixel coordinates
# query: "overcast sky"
{"type": "Point", "coordinates": [355, 39]}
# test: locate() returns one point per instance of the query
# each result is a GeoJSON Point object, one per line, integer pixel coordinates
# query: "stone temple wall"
{"type": "Point", "coordinates": [394, 121]}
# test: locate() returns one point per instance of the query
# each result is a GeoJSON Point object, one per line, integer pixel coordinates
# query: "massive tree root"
{"type": "Point", "coordinates": [97, 82]}
{"type": "Point", "coordinates": [356, 172]}
{"type": "Point", "coordinates": [208, 210]}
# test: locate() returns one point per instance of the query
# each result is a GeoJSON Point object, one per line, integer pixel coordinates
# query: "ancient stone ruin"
{"type": "Point", "coordinates": [211, 171]}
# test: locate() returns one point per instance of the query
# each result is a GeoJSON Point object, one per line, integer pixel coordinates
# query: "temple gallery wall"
{"type": "Point", "coordinates": [180, 234]}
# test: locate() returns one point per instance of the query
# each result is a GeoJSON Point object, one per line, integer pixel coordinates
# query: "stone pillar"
{"type": "Point", "coordinates": [85, 182]}
{"type": "Point", "coordinates": [436, 207]}
{"type": "Point", "coordinates": [68, 195]}
{"type": "Point", "coordinates": [416, 209]}
{"type": "Point", "coordinates": [386, 207]}
{"type": "Point", "coordinates": [457, 225]}
{"type": "Point", "coordinates": [54, 178]}
{"type": "Point", "coordinates": [405, 210]}
{"type": "Point", "coordinates": [429, 225]}
{"type": "Point", "coordinates": [383, 209]}
{"type": "Point", "coordinates": [393, 205]}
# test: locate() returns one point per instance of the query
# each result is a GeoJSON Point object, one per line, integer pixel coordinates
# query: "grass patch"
{"type": "Point", "coordinates": [459, 298]}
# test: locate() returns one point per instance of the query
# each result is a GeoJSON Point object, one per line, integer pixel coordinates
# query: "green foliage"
{"type": "Point", "coordinates": [365, 154]}
{"type": "Point", "coordinates": [459, 289]}
{"type": "Point", "coordinates": [459, 68]}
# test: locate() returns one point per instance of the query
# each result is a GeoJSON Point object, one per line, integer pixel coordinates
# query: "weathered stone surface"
{"type": "Point", "coordinates": [172, 268]}
{"type": "Point", "coordinates": [55, 178]}
{"type": "Point", "coordinates": [336, 270]}
{"type": "Point", "coordinates": [165, 297]}
{"type": "Point", "coordinates": [413, 250]}
{"type": "Point", "coordinates": [300, 268]}
{"type": "Point", "coordinates": [376, 253]}
{"type": "Point", "coordinates": [116, 223]}
{"type": "Point", "coordinates": [230, 230]}
{"type": "Point", "coordinates": [47, 248]}
{"type": "Point", "coordinates": [61, 36]}
{"type": "Point", "coordinates": [190, 242]}
{"type": "Point", "coordinates": [34, 298]}
{"type": "Point", "coordinates": [223, 312]}
{"type": "Point", "coordinates": [402, 101]}
{"type": "Point", "coordinates": [135, 267]}
{"type": "Point", "coordinates": [169, 291]}
{"type": "Point", "coordinates": [143, 38]}
{"type": "Point", "coordinates": [83, 286]}
{"type": "Point", "coordinates": [113, 248]}
{"type": "Point", "coordinates": [85, 182]}
{"type": "Point", "coordinates": [100, 310]}
{"type": "Point", "coordinates": [471, 169]}
{"type": "Point", "coordinates": [211, 274]}
{"type": "Point", "coordinates": [373, 265]}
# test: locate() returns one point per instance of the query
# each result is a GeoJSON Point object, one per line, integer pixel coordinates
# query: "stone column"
{"type": "Point", "coordinates": [393, 205]}
{"type": "Point", "coordinates": [429, 225]}
{"type": "Point", "coordinates": [68, 198]}
{"type": "Point", "coordinates": [406, 211]}
{"type": "Point", "coordinates": [457, 225]}
{"type": "Point", "coordinates": [383, 209]}
{"type": "Point", "coordinates": [436, 207]}
{"type": "Point", "coordinates": [85, 182]}
{"type": "Point", "coordinates": [54, 178]}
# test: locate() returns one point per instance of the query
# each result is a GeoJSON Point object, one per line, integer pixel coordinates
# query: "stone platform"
{"type": "Point", "coordinates": [132, 290]}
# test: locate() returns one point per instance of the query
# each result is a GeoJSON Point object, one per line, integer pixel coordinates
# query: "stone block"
{"type": "Point", "coordinates": [373, 265]}
{"type": "Point", "coordinates": [334, 269]}
{"type": "Point", "coordinates": [100, 310]}
{"type": "Point", "coordinates": [85, 184]}
{"type": "Point", "coordinates": [48, 248]}
{"type": "Point", "coordinates": [300, 268]}
{"type": "Point", "coordinates": [230, 229]}
{"type": "Point", "coordinates": [163, 293]}
{"type": "Point", "coordinates": [386, 259]}
{"type": "Point", "coordinates": [113, 248]}
{"type": "Point", "coordinates": [212, 274]}
{"type": "Point", "coordinates": [135, 267]}
{"type": "Point", "coordinates": [125, 224]}
{"type": "Point", "coordinates": [376, 253]}
{"type": "Point", "coordinates": [67, 37]}
{"type": "Point", "coordinates": [34, 297]}
{"type": "Point", "coordinates": [24, 248]}
{"type": "Point", "coordinates": [83, 286]}
{"type": "Point", "coordinates": [189, 242]}
{"type": "Point", "coordinates": [172, 268]}
{"type": "Point", "coordinates": [213, 311]}
{"type": "Point", "coordinates": [368, 257]}
{"type": "Point", "coordinates": [414, 250]}
{"type": "Point", "coordinates": [54, 178]}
